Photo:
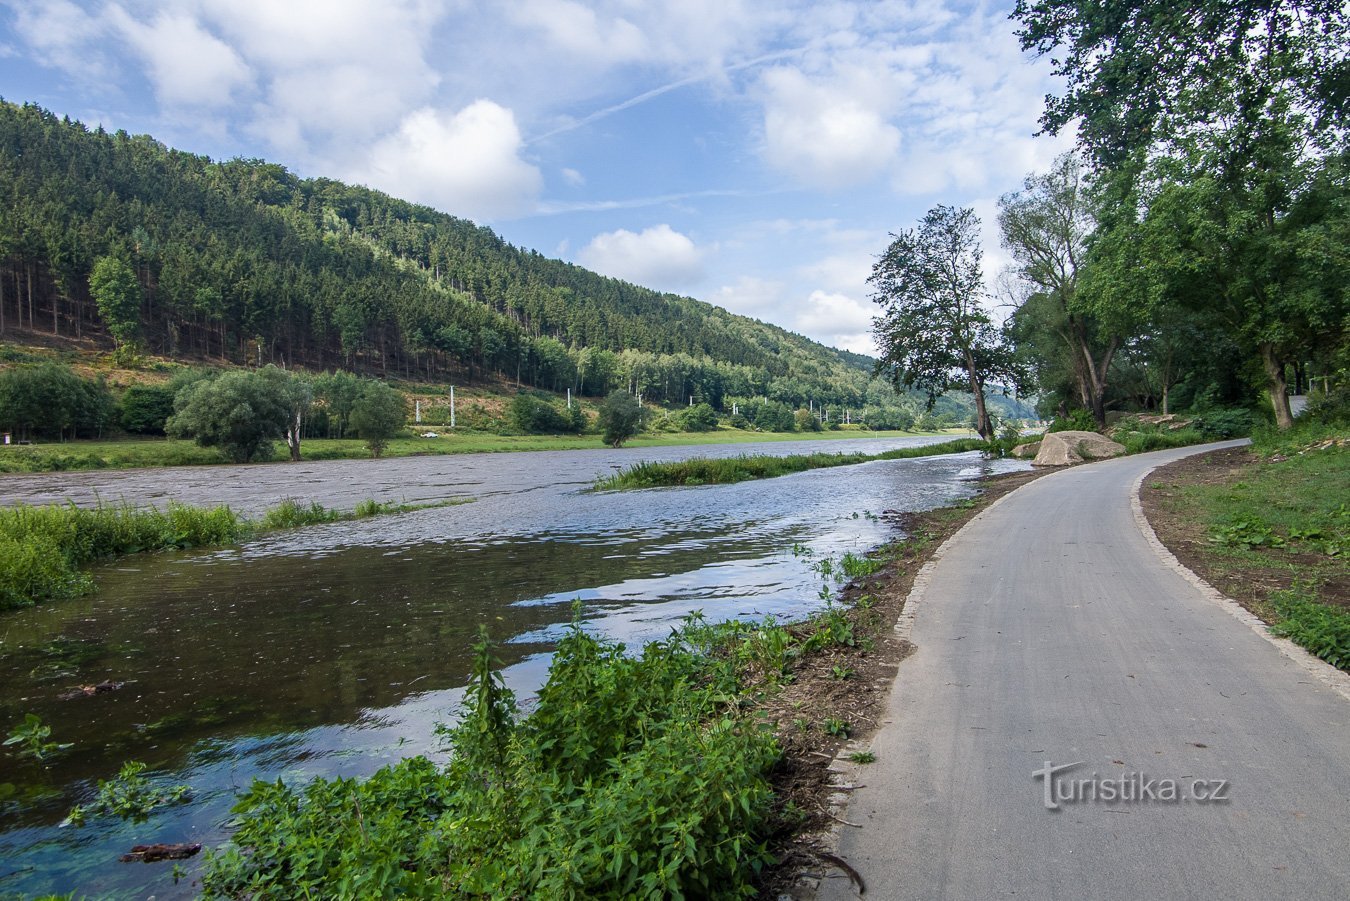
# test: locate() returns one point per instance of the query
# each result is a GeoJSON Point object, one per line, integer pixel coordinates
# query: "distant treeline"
{"type": "Point", "coordinates": [245, 262]}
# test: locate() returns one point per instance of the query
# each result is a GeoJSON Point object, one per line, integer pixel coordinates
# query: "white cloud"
{"type": "Point", "coordinates": [466, 163]}
{"type": "Point", "coordinates": [61, 33]}
{"type": "Point", "coordinates": [837, 320]}
{"type": "Point", "coordinates": [658, 257]}
{"type": "Point", "coordinates": [573, 177]}
{"type": "Point", "coordinates": [750, 296]}
{"type": "Point", "coordinates": [580, 32]}
{"type": "Point", "coordinates": [189, 66]}
{"type": "Point", "coordinates": [824, 136]}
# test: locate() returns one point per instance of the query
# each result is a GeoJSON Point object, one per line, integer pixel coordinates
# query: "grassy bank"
{"type": "Point", "coordinates": [136, 454]}
{"type": "Point", "coordinates": [726, 470]}
{"type": "Point", "coordinates": [43, 550]}
{"type": "Point", "coordinates": [1270, 527]}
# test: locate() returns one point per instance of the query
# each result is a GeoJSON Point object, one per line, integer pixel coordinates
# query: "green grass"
{"type": "Point", "coordinates": [1288, 517]}
{"type": "Point", "coordinates": [726, 470]}
{"type": "Point", "coordinates": [145, 453]}
{"type": "Point", "coordinates": [43, 550]}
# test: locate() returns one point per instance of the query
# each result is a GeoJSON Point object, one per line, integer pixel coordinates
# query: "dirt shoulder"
{"type": "Point", "coordinates": [1184, 500]}
{"type": "Point", "coordinates": [849, 685]}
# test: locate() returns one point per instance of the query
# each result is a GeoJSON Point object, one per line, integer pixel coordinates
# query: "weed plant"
{"type": "Point", "coordinates": [633, 777]}
{"type": "Point", "coordinates": [1320, 628]}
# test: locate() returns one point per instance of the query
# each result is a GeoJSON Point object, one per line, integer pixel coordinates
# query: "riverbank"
{"type": "Point", "coordinates": [73, 456]}
{"type": "Point", "coordinates": [1268, 527]}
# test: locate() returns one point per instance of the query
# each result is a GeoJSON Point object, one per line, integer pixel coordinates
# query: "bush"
{"type": "Point", "coordinates": [534, 415]}
{"type": "Point", "coordinates": [806, 421]}
{"type": "Point", "coordinates": [51, 401]}
{"type": "Point", "coordinates": [145, 409]}
{"type": "Point", "coordinates": [1077, 421]}
{"type": "Point", "coordinates": [1220, 425]}
{"type": "Point", "coordinates": [699, 418]}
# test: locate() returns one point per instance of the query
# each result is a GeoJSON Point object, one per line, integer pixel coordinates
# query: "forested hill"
{"type": "Point", "coordinates": [240, 258]}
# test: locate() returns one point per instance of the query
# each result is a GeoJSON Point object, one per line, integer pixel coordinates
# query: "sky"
{"type": "Point", "coordinates": [756, 155]}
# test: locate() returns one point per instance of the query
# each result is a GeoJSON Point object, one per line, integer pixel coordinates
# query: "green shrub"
{"type": "Point", "coordinates": [1079, 420]}
{"type": "Point", "coordinates": [145, 409]}
{"type": "Point", "coordinates": [628, 780]}
{"type": "Point", "coordinates": [1320, 628]}
{"type": "Point", "coordinates": [699, 418]}
{"type": "Point", "coordinates": [1220, 425]}
{"type": "Point", "coordinates": [534, 415]}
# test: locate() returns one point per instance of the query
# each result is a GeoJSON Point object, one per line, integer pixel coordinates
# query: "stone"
{"type": "Point", "coordinates": [1068, 448]}
{"type": "Point", "coordinates": [1023, 451]}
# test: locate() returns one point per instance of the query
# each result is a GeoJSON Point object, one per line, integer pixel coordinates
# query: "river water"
{"type": "Point", "coordinates": [335, 649]}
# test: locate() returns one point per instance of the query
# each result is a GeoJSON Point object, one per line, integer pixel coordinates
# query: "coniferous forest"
{"type": "Point", "coordinates": [117, 237]}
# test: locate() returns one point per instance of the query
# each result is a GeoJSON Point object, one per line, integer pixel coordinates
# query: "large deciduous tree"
{"type": "Point", "coordinates": [934, 331]}
{"type": "Point", "coordinates": [242, 412]}
{"type": "Point", "coordinates": [1047, 227]}
{"type": "Point", "coordinates": [113, 285]}
{"type": "Point", "coordinates": [1228, 115]}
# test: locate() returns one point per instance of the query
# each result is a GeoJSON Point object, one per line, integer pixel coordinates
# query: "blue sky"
{"type": "Point", "coordinates": [751, 154]}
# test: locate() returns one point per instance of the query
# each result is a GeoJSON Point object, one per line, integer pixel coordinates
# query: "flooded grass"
{"type": "Point", "coordinates": [703, 471]}
{"type": "Point", "coordinates": [44, 549]}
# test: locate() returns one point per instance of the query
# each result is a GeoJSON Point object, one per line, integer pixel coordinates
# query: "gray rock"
{"type": "Point", "coordinates": [1068, 448]}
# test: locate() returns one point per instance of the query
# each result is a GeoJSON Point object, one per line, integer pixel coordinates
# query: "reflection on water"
{"type": "Point", "coordinates": [335, 649]}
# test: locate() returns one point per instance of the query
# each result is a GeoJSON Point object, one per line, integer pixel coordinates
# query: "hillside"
{"type": "Point", "coordinates": [242, 258]}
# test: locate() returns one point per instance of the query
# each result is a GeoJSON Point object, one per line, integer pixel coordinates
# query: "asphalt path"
{"type": "Point", "coordinates": [1051, 633]}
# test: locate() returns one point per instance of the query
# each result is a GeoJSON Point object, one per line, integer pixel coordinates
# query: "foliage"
{"type": "Point", "coordinates": [130, 795]}
{"type": "Point", "coordinates": [535, 415]}
{"type": "Point", "coordinates": [933, 325]}
{"type": "Point", "coordinates": [620, 418]}
{"type": "Point", "coordinates": [1079, 420]}
{"type": "Point", "coordinates": [806, 421]}
{"type": "Point", "coordinates": [630, 779]}
{"type": "Point", "coordinates": [48, 400]}
{"type": "Point", "coordinates": [377, 415]}
{"type": "Point", "coordinates": [145, 409]}
{"type": "Point", "coordinates": [1224, 424]}
{"type": "Point", "coordinates": [30, 739]}
{"type": "Point", "coordinates": [113, 285]}
{"type": "Point", "coordinates": [698, 418]}
{"type": "Point", "coordinates": [1322, 629]}
{"type": "Point", "coordinates": [726, 470]}
{"type": "Point", "coordinates": [243, 412]}
{"type": "Point", "coordinates": [1153, 438]}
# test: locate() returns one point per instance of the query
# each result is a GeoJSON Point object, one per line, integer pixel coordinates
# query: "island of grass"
{"type": "Point", "coordinates": [726, 470]}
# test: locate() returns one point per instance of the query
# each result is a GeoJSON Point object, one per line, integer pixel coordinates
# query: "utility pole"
{"type": "Point", "coordinates": [452, 406]}
{"type": "Point", "coordinates": [569, 398]}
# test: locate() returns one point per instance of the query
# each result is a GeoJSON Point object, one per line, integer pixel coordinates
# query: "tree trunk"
{"type": "Point", "coordinates": [983, 425]}
{"type": "Point", "coordinates": [1279, 397]}
{"type": "Point", "coordinates": [293, 437]}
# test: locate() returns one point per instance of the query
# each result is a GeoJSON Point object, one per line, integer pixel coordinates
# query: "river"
{"type": "Point", "coordinates": [334, 649]}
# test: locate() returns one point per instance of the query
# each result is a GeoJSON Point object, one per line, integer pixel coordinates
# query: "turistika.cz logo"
{"type": "Point", "coordinates": [1125, 788]}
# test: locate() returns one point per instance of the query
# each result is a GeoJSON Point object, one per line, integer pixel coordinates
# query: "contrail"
{"type": "Point", "coordinates": [666, 89]}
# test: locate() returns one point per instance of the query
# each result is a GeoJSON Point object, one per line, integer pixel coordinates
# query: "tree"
{"type": "Point", "coordinates": [297, 395]}
{"type": "Point", "coordinates": [378, 414]}
{"type": "Point", "coordinates": [51, 401]}
{"type": "Point", "coordinates": [1046, 227]}
{"type": "Point", "coordinates": [620, 417]}
{"type": "Point", "coordinates": [1227, 113]}
{"type": "Point", "coordinates": [242, 412]}
{"type": "Point", "coordinates": [118, 297]}
{"type": "Point", "coordinates": [934, 333]}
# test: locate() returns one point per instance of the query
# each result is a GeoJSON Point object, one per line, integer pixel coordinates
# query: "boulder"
{"type": "Point", "coordinates": [1023, 451]}
{"type": "Point", "coordinates": [1068, 448]}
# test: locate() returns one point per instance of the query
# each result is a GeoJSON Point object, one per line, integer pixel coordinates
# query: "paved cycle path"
{"type": "Point", "coordinates": [1051, 633]}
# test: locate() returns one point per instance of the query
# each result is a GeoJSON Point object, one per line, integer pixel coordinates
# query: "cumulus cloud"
{"type": "Point", "coordinates": [658, 257]}
{"type": "Point", "coordinates": [750, 296]}
{"type": "Point", "coordinates": [466, 163]}
{"type": "Point", "coordinates": [837, 320]}
{"type": "Point", "coordinates": [188, 65]}
{"type": "Point", "coordinates": [580, 31]}
{"type": "Point", "coordinates": [823, 136]}
{"type": "Point", "coordinates": [60, 33]}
